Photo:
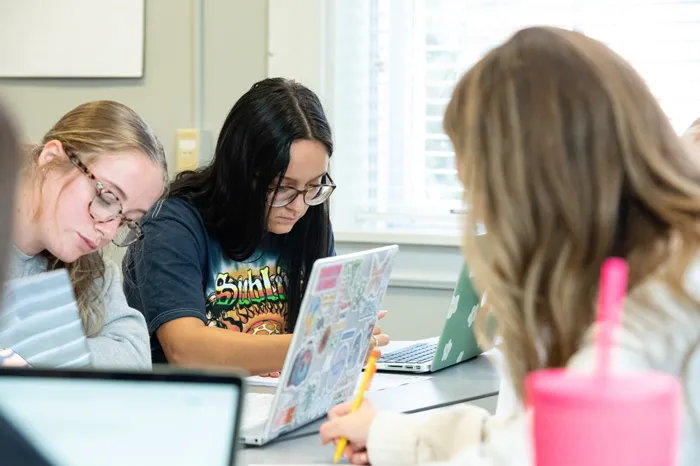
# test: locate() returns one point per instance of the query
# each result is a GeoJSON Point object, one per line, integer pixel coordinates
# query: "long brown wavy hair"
{"type": "Point", "coordinates": [89, 130]}
{"type": "Point", "coordinates": [566, 159]}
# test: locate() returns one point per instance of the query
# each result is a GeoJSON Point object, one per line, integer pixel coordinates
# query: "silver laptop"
{"type": "Point", "coordinates": [330, 343]}
{"type": "Point", "coordinates": [456, 344]}
{"type": "Point", "coordinates": [81, 417]}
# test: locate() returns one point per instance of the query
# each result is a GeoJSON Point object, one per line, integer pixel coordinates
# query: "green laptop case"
{"type": "Point", "coordinates": [458, 342]}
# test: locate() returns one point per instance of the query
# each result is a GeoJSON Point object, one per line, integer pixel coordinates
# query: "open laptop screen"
{"type": "Point", "coordinates": [87, 421]}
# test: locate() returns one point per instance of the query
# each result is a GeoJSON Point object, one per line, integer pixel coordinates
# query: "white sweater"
{"type": "Point", "coordinates": [644, 343]}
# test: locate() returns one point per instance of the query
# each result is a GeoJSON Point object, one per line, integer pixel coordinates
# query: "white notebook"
{"type": "Point", "coordinates": [39, 321]}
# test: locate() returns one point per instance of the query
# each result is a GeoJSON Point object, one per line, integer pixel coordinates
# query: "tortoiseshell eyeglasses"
{"type": "Point", "coordinates": [106, 207]}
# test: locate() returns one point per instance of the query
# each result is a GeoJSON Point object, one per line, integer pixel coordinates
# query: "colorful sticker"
{"type": "Point", "coordinates": [376, 275]}
{"type": "Point", "coordinates": [313, 312]}
{"type": "Point", "coordinates": [367, 335]}
{"type": "Point", "coordinates": [284, 418]}
{"type": "Point", "coordinates": [328, 307]}
{"type": "Point", "coordinates": [353, 281]}
{"type": "Point", "coordinates": [320, 324]}
{"type": "Point", "coordinates": [327, 302]}
{"type": "Point", "coordinates": [357, 354]}
{"type": "Point", "coordinates": [334, 341]}
{"type": "Point", "coordinates": [374, 284]}
{"type": "Point", "coordinates": [328, 278]}
{"type": "Point", "coordinates": [337, 367]}
{"type": "Point", "coordinates": [310, 394]}
{"type": "Point", "coordinates": [343, 309]}
{"type": "Point", "coordinates": [368, 310]}
{"type": "Point", "coordinates": [324, 340]}
{"type": "Point", "coordinates": [300, 368]}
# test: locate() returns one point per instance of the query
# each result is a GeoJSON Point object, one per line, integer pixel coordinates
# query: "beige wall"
{"type": "Point", "coordinates": [234, 44]}
{"type": "Point", "coordinates": [234, 57]}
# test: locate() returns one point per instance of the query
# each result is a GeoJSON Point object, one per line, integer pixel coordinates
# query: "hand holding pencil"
{"type": "Point", "coordinates": [349, 423]}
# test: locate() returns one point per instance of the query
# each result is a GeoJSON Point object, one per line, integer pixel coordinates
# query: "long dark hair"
{"type": "Point", "coordinates": [253, 148]}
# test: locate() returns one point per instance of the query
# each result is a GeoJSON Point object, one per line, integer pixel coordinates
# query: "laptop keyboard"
{"type": "Point", "coordinates": [256, 409]}
{"type": "Point", "coordinates": [419, 353]}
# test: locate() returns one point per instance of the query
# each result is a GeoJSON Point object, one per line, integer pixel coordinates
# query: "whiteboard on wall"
{"type": "Point", "coordinates": [71, 38]}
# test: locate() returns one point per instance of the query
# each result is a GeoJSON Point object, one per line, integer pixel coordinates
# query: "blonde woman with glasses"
{"type": "Point", "coordinates": [89, 182]}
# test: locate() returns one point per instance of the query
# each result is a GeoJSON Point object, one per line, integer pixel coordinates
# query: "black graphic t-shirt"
{"type": "Point", "coordinates": [247, 296]}
{"type": "Point", "coordinates": [177, 271]}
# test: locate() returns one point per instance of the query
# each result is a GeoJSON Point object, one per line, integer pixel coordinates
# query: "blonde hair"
{"type": "Point", "coordinates": [9, 163]}
{"type": "Point", "coordinates": [566, 159]}
{"type": "Point", "coordinates": [88, 131]}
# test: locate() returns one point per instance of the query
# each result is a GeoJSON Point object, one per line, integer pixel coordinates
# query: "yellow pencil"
{"type": "Point", "coordinates": [357, 402]}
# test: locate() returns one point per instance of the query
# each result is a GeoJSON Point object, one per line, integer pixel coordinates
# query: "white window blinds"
{"type": "Point", "coordinates": [391, 65]}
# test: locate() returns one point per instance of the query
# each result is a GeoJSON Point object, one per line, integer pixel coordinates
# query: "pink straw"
{"type": "Point", "coordinates": [611, 294]}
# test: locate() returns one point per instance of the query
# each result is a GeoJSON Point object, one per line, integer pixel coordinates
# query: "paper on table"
{"type": "Point", "coordinates": [379, 382]}
{"type": "Point", "coordinates": [262, 381]}
{"type": "Point", "coordinates": [384, 381]}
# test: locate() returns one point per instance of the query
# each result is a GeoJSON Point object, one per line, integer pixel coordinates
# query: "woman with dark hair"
{"type": "Point", "coordinates": [222, 271]}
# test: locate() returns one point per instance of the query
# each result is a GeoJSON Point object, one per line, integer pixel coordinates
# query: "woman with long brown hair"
{"type": "Point", "coordinates": [566, 159]}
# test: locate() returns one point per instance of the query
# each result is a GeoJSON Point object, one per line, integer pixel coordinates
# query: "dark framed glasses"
{"type": "Point", "coordinates": [106, 207]}
{"type": "Point", "coordinates": [314, 194]}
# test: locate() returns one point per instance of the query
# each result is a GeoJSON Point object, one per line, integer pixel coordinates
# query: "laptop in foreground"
{"type": "Point", "coordinates": [83, 417]}
{"type": "Point", "coordinates": [457, 341]}
{"type": "Point", "coordinates": [331, 338]}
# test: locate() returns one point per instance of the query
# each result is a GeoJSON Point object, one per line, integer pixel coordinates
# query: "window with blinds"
{"type": "Point", "coordinates": [391, 66]}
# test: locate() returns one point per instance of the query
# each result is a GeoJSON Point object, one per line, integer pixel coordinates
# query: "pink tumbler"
{"type": "Point", "coordinates": [603, 419]}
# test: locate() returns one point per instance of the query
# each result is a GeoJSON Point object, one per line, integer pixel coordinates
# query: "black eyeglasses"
{"type": "Point", "coordinates": [106, 207]}
{"type": "Point", "coordinates": [315, 194]}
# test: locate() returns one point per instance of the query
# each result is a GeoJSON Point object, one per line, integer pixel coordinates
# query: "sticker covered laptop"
{"type": "Point", "coordinates": [331, 337]}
